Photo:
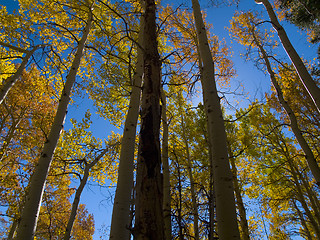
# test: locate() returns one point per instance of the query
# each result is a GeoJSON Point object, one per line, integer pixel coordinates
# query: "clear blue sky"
{"type": "Point", "coordinates": [98, 199]}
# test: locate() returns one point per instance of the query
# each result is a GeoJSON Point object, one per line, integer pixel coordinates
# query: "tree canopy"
{"type": "Point", "coordinates": [165, 108]}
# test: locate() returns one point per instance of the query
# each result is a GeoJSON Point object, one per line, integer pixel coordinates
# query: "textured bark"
{"type": "Point", "coordinates": [78, 193]}
{"type": "Point", "coordinates": [120, 223]}
{"type": "Point", "coordinates": [31, 208]}
{"type": "Point", "coordinates": [166, 171]}
{"type": "Point", "coordinates": [312, 163]}
{"type": "Point", "coordinates": [149, 213]}
{"type": "Point", "coordinates": [225, 202]}
{"type": "Point", "coordinates": [10, 81]}
{"type": "Point", "coordinates": [304, 75]}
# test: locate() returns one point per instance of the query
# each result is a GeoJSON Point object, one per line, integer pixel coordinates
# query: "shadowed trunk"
{"type": "Point", "coordinates": [149, 213]}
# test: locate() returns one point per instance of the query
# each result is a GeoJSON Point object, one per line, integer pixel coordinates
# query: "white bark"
{"type": "Point", "coordinates": [30, 212]}
{"type": "Point", "coordinates": [312, 163]}
{"type": "Point", "coordinates": [304, 75]}
{"type": "Point", "coordinates": [225, 202]}
{"type": "Point", "coordinates": [78, 193]}
{"type": "Point", "coordinates": [120, 222]}
{"type": "Point", "coordinates": [10, 81]}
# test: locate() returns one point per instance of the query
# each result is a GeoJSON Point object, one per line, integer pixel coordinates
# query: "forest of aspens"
{"type": "Point", "coordinates": [161, 122]}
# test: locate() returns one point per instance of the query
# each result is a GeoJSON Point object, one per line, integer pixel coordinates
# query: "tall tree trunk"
{"type": "Point", "coordinates": [149, 214]}
{"type": "Point", "coordinates": [30, 212]}
{"type": "Point", "coordinates": [305, 77]}
{"type": "Point", "coordinates": [10, 81]}
{"type": "Point", "coordinates": [312, 163]}
{"type": "Point", "coordinates": [78, 193]}
{"type": "Point", "coordinates": [120, 222]}
{"type": "Point", "coordinates": [225, 202]}
{"type": "Point", "coordinates": [166, 171]}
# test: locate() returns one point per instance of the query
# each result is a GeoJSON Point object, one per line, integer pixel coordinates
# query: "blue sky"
{"type": "Point", "coordinates": [255, 83]}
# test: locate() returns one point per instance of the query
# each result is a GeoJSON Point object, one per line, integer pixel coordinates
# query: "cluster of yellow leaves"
{"type": "Point", "coordinates": [26, 116]}
{"type": "Point", "coordinates": [273, 172]}
{"type": "Point", "coordinates": [78, 147]}
{"type": "Point", "coordinates": [244, 29]}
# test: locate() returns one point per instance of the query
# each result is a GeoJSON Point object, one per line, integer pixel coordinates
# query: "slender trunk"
{"type": "Point", "coordinates": [300, 196]}
{"type": "Point", "coordinates": [10, 81]}
{"type": "Point", "coordinates": [192, 188]}
{"type": "Point", "coordinates": [13, 228]}
{"type": "Point", "coordinates": [304, 75]}
{"type": "Point", "coordinates": [30, 212]}
{"type": "Point", "coordinates": [75, 203]}
{"type": "Point", "coordinates": [303, 221]}
{"type": "Point", "coordinates": [120, 223]}
{"type": "Point", "coordinates": [179, 204]}
{"type": "Point", "coordinates": [311, 195]}
{"type": "Point", "coordinates": [78, 193]}
{"type": "Point", "coordinates": [242, 211]}
{"type": "Point", "coordinates": [225, 202]}
{"type": "Point", "coordinates": [9, 137]}
{"type": "Point", "coordinates": [308, 213]}
{"type": "Point", "coordinates": [312, 163]}
{"type": "Point", "coordinates": [149, 213]}
{"type": "Point", "coordinates": [166, 171]}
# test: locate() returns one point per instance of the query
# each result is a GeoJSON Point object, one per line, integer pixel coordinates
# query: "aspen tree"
{"type": "Point", "coordinates": [120, 221]}
{"type": "Point", "coordinates": [311, 160]}
{"type": "Point", "coordinates": [225, 202]}
{"type": "Point", "coordinates": [30, 212]}
{"type": "Point", "coordinates": [300, 197]}
{"type": "Point", "coordinates": [149, 213]}
{"type": "Point", "coordinates": [242, 211]}
{"type": "Point", "coordinates": [10, 81]}
{"type": "Point", "coordinates": [237, 184]}
{"type": "Point", "coordinates": [246, 29]}
{"type": "Point", "coordinates": [305, 77]}
{"type": "Point", "coordinates": [77, 196]}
